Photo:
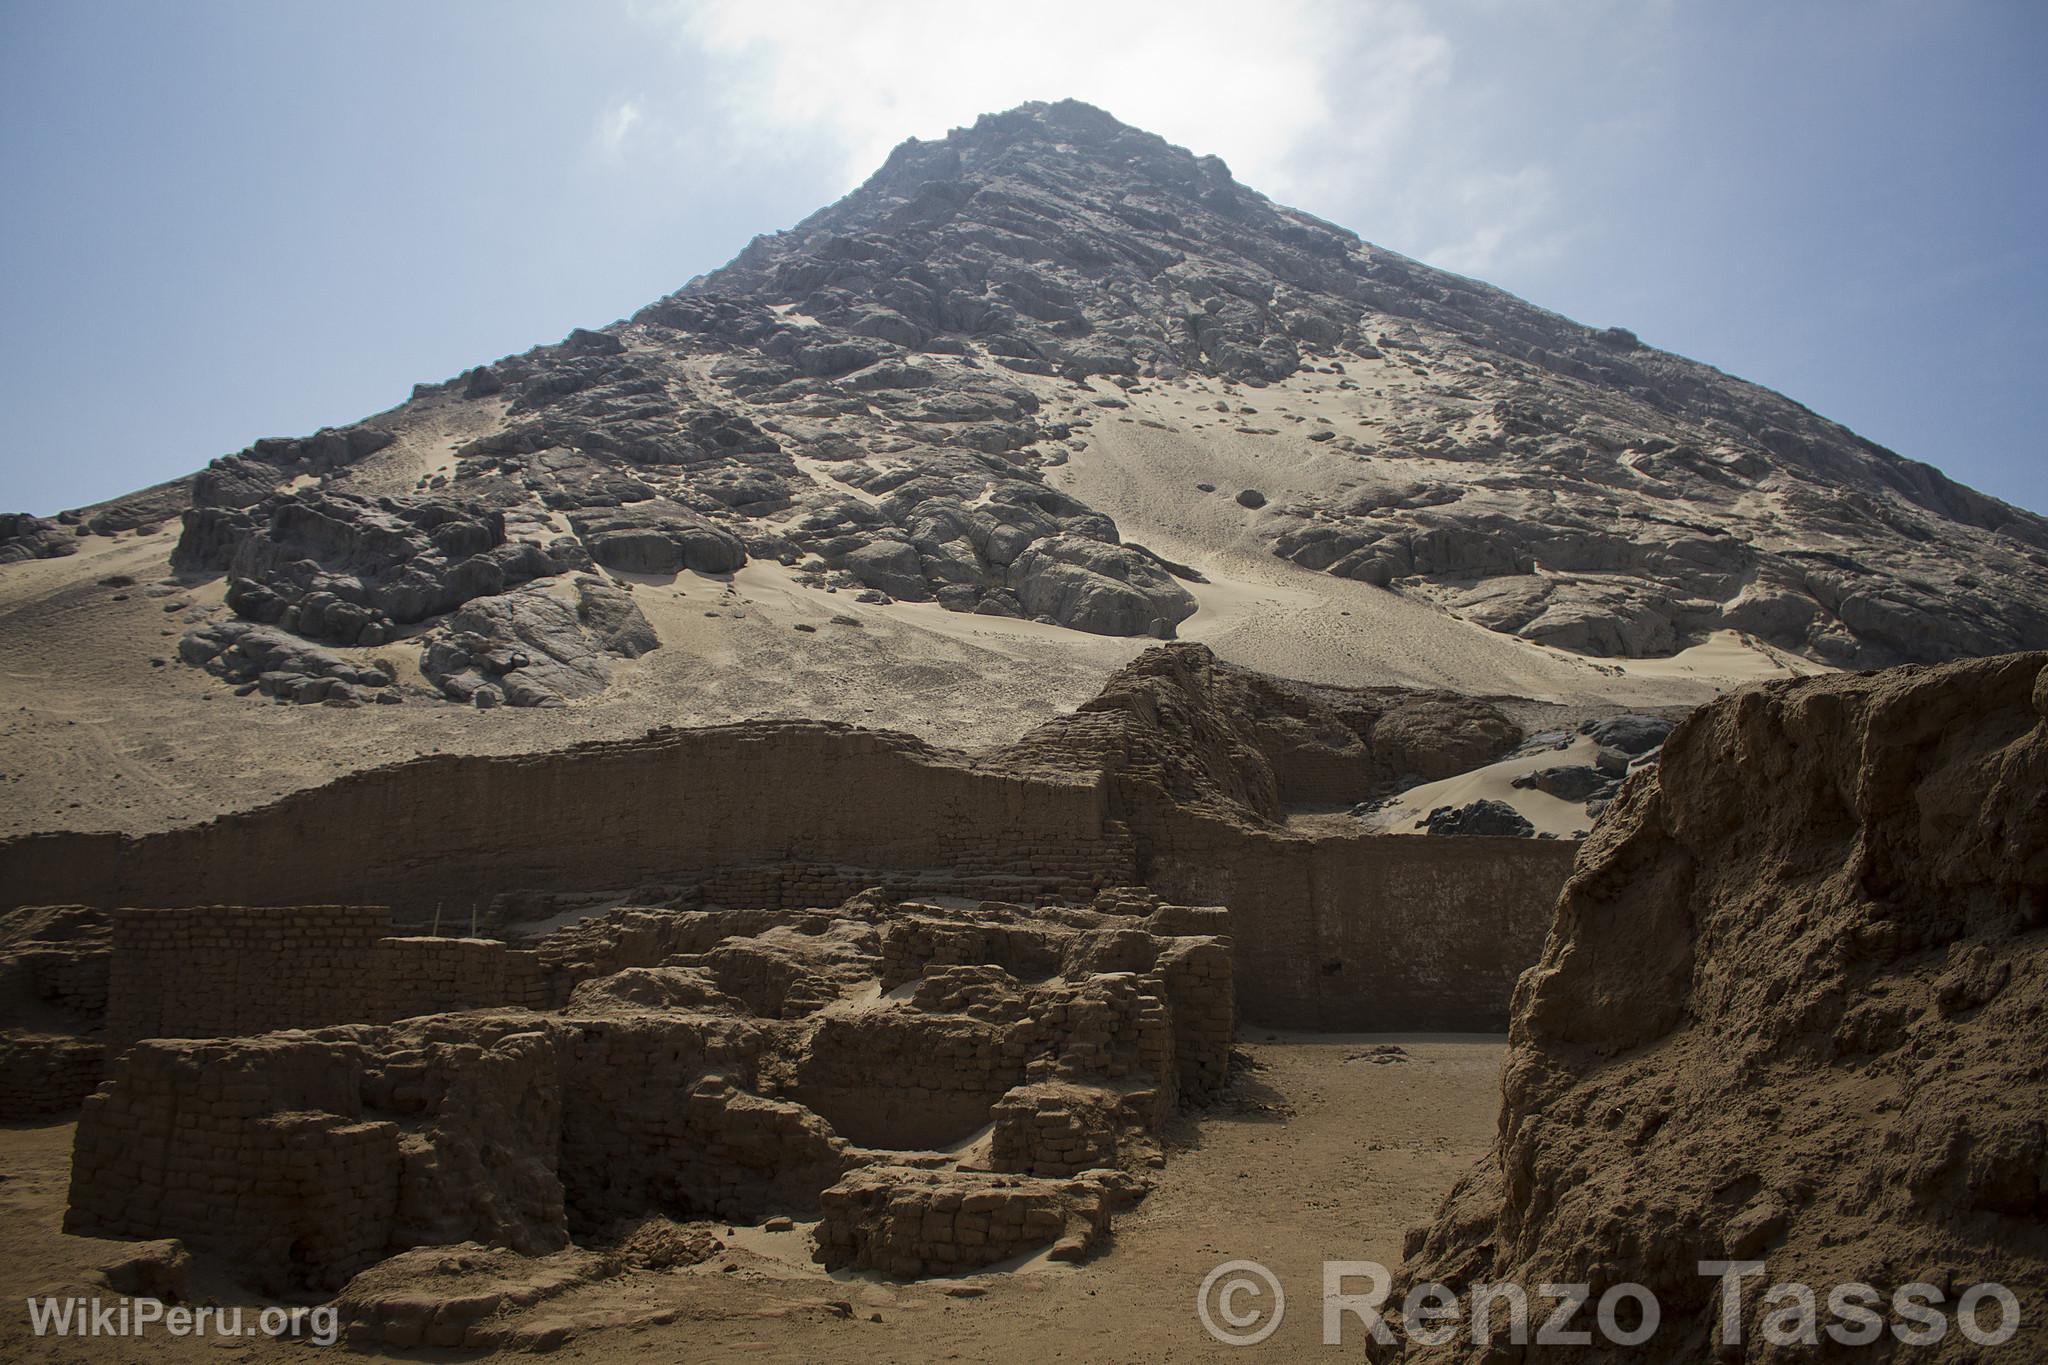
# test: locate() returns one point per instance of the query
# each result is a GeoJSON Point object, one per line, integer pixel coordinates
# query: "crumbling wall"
{"type": "Point", "coordinates": [906, 1223]}
{"type": "Point", "coordinates": [1056, 1129]}
{"type": "Point", "coordinates": [253, 1148]}
{"type": "Point", "coordinates": [54, 962]}
{"type": "Point", "coordinates": [304, 1156]}
{"type": "Point", "coordinates": [1809, 952]}
{"type": "Point", "coordinates": [660, 1116]}
{"type": "Point", "coordinates": [46, 1075]}
{"type": "Point", "coordinates": [224, 971]}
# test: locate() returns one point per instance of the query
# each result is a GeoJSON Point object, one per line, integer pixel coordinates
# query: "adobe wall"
{"type": "Point", "coordinates": [233, 971]}
{"type": "Point", "coordinates": [1365, 932]}
{"type": "Point", "coordinates": [1372, 932]}
{"type": "Point", "coordinates": [745, 802]}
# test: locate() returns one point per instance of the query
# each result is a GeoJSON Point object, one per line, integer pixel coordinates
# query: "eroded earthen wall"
{"type": "Point", "coordinates": [776, 815]}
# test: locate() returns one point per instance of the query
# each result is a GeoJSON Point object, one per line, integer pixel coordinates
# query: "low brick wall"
{"type": "Point", "coordinates": [233, 971]}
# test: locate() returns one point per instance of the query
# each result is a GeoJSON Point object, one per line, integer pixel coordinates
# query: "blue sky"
{"type": "Point", "coordinates": [232, 220]}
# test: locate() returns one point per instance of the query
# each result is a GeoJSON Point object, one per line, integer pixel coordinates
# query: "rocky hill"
{"type": "Point", "coordinates": [1051, 375]}
{"type": "Point", "coordinates": [1790, 1012]}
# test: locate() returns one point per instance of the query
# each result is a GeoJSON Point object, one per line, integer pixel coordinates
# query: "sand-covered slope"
{"type": "Point", "coordinates": [1794, 1009]}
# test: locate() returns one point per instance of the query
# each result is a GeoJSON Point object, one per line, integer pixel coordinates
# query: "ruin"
{"type": "Point", "coordinates": [944, 1087]}
{"type": "Point", "coordinates": [943, 1005]}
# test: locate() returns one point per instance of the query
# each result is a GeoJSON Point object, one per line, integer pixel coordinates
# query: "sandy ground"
{"type": "Point", "coordinates": [1495, 782]}
{"type": "Point", "coordinates": [1328, 1150]}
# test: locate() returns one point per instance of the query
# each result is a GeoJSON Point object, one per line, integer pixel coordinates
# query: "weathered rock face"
{"type": "Point", "coordinates": [531, 649]}
{"type": "Point", "coordinates": [23, 536]}
{"type": "Point", "coordinates": [278, 664]}
{"type": "Point", "coordinates": [1791, 1011]}
{"type": "Point", "coordinates": [1178, 724]}
{"type": "Point", "coordinates": [348, 570]}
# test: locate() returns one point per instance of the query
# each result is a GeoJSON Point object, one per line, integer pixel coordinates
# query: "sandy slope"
{"type": "Point", "coordinates": [1144, 466]}
{"type": "Point", "coordinates": [1495, 782]}
{"type": "Point", "coordinates": [93, 736]}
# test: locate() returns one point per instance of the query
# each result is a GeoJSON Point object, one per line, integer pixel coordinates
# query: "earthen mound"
{"type": "Point", "coordinates": [1792, 1011]}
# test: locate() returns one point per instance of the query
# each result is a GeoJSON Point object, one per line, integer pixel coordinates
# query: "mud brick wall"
{"type": "Point", "coordinates": [1116, 1026]}
{"type": "Point", "coordinates": [225, 971]}
{"type": "Point", "coordinates": [47, 1075]}
{"type": "Point", "coordinates": [911, 948]}
{"type": "Point", "coordinates": [529, 984]}
{"type": "Point", "coordinates": [457, 830]}
{"type": "Point", "coordinates": [71, 977]}
{"type": "Point", "coordinates": [254, 1149]}
{"type": "Point", "coordinates": [1053, 1129]}
{"type": "Point", "coordinates": [412, 976]}
{"type": "Point", "coordinates": [1199, 976]}
{"type": "Point", "coordinates": [1368, 932]}
{"type": "Point", "coordinates": [909, 1081]}
{"type": "Point", "coordinates": [232, 971]}
{"type": "Point", "coordinates": [653, 1118]}
{"type": "Point", "coordinates": [910, 1223]}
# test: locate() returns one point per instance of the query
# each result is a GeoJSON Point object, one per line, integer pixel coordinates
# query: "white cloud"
{"type": "Point", "coordinates": [1419, 125]}
{"type": "Point", "coordinates": [616, 124]}
{"type": "Point", "coordinates": [1503, 219]}
{"type": "Point", "coordinates": [1259, 86]}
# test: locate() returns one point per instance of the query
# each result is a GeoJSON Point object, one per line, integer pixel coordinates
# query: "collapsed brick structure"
{"type": "Point", "coordinates": [943, 1087]}
{"type": "Point", "coordinates": [54, 963]}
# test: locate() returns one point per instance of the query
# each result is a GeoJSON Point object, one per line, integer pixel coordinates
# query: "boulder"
{"type": "Point", "coordinates": [1480, 817]}
{"type": "Point", "coordinates": [610, 614]}
{"type": "Point", "coordinates": [657, 537]}
{"type": "Point", "coordinates": [1632, 734]}
{"type": "Point", "coordinates": [1572, 782]}
{"type": "Point", "coordinates": [1099, 588]}
{"type": "Point", "coordinates": [524, 648]}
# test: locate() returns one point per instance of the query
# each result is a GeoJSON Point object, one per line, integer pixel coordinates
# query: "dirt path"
{"type": "Point", "coordinates": [1330, 1148]}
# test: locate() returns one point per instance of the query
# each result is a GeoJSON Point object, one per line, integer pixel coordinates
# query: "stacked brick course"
{"type": "Point", "coordinates": [906, 1223]}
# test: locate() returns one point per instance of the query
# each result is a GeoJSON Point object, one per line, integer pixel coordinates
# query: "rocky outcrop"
{"type": "Point", "coordinates": [1102, 589]}
{"type": "Point", "coordinates": [263, 659]}
{"type": "Point", "coordinates": [1791, 1012]}
{"type": "Point", "coordinates": [529, 648]}
{"type": "Point", "coordinates": [249, 476]}
{"type": "Point", "coordinates": [350, 570]}
{"type": "Point", "coordinates": [25, 536]}
{"type": "Point", "coordinates": [1178, 725]}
